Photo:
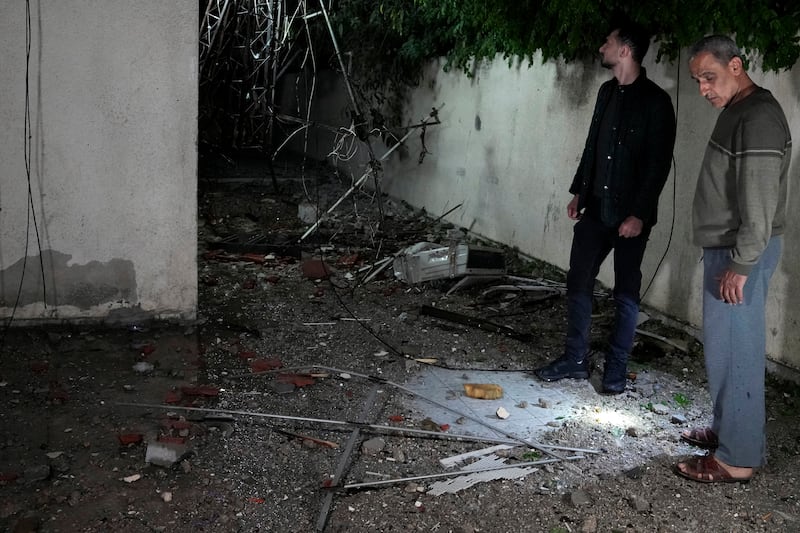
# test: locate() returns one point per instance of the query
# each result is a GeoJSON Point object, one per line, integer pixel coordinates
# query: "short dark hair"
{"type": "Point", "coordinates": [636, 37]}
{"type": "Point", "coordinates": [722, 47]}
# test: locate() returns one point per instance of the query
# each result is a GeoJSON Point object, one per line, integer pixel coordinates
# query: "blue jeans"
{"type": "Point", "coordinates": [592, 242]}
{"type": "Point", "coordinates": [734, 344]}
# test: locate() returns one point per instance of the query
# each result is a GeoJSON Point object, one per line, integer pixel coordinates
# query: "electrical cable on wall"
{"type": "Point", "coordinates": [674, 184]}
{"type": "Point", "coordinates": [31, 211]}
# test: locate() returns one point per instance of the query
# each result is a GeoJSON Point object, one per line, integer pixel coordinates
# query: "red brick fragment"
{"type": "Point", "coordinates": [40, 367]}
{"type": "Point", "coordinates": [396, 418]}
{"type": "Point", "coordinates": [173, 397]}
{"type": "Point", "coordinates": [247, 354]}
{"type": "Point", "coordinates": [316, 269]}
{"type": "Point", "coordinates": [201, 390]}
{"type": "Point", "coordinates": [264, 365]}
{"type": "Point", "coordinates": [7, 477]}
{"type": "Point", "coordinates": [249, 284]}
{"type": "Point", "coordinates": [57, 393]}
{"type": "Point", "coordinates": [172, 440]}
{"type": "Point", "coordinates": [130, 438]}
{"type": "Point", "coordinates": [253, 258]}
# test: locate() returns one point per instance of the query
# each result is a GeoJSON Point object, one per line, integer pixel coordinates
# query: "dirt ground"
{"type": "Point", "coordinates": [258, 416]}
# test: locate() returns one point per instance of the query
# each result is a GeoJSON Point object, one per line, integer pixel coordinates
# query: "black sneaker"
{"type": "Point", "coordinates": [614, 378]}
{"type": "Point", "coordinates": [563, 368]}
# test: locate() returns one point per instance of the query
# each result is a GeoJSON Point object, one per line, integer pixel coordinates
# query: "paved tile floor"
{"type": "Point", "coordinates": [530, 402]}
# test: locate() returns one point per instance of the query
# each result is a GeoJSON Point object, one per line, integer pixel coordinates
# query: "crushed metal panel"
{"type": "Point", "coordinates": [426, 261]}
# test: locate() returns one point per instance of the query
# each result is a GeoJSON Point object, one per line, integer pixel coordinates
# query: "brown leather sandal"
{"type": "Point", "coordinates": [706, 469]}
{"type": "Point", "coordinates": [701, 437]}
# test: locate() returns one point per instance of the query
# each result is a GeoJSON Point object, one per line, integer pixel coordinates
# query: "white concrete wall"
{"type": "Point", "coordinates": [113, 111]}
{"type": "Point", "coordinates": [512, 173]}
{"type": "Point", "coordinates": [507, 149]}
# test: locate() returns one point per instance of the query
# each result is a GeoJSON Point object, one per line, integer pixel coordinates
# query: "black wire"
{"type": "Point", "coordinates": [674, 184]}
{"type": "Point", "coordinates": [27, 149]}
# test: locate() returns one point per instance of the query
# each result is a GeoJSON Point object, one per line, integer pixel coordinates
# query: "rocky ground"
{"type": "Point", "coordinates": [259, 416]}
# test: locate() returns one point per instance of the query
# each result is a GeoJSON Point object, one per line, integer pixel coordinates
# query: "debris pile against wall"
{"type": "Point", "coordinates": [246, 48]}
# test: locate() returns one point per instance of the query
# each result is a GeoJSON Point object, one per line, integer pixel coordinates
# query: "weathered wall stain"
{"type": "Point", "coordinates": [81, 286]}
{"type": "Point", "coordinates": [574, 82]}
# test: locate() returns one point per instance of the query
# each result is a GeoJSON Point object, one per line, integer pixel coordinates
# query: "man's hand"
{"type": "Point", "coordinates": [731, 287]}
{"type": "Point", "coordinates": [630, 227]}
{"type": "Point", "coordinates": [572, 208]}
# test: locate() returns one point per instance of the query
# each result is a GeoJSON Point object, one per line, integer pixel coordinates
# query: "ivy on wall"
{"type": "Point", "coordinates": [392, 40]}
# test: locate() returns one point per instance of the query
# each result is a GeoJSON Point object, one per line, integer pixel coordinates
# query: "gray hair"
{"type": "Point", "coordinates": [722, 47]}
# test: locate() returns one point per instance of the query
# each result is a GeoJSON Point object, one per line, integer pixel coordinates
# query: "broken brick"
{"type": "Point", "coordinates": [316, 269]}
{"type": "Point", "coordinates": [57, 393]}
{"type": "Point", "coordinates": [173, 397]}
{"type": "Point", "coordinates": [129, 438]}
{"type": "Point", "coordinates": [264, 365]}
{"type": "Point", "coordinates": [7, 477]}
{"type": "Point", "coordinates": [396, 418]}
{"type": "Point", "coordinates": [247, 354]}
{"type": "Point", "coordinates": [201, 390]}
{"type": "Point", "coordinates": [167, 439]}
{"type": "Point", "coordinates": [40, 367]}
{"type": "Point", "coordinates": [253, 258]}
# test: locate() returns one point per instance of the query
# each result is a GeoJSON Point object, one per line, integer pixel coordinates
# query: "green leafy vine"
{"type": "Point", "coordinates": [391, 41]}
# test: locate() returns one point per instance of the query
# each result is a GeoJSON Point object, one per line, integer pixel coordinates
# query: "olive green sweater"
{"type": "Point", "coordinates": [740, 200]}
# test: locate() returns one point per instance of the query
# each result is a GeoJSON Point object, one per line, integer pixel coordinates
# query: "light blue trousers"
{"type": "Point", "coordinates": [734, 338]}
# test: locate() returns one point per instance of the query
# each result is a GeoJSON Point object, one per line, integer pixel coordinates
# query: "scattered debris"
{"type": "Point", "coordinates": [472, 321]}
{"type": "Point", "coordinates": [680, 345]}
{"type": "Point", "coordinates": [165, 454]}
{"type": "Point", "coordinates": [659, 409]}
{"type": "Point", "coordinates": [307, 439]}
{"type": "Point", "coordinates": [678, 419]}
{"type": "Point", "coordinates": [373, 446]}
{"type": "Point", "coordinates": [579, 498]}
{"type": "Point", "coordinates": [487, 467]}
{"type": "Point", "coordinates": [143, 367]}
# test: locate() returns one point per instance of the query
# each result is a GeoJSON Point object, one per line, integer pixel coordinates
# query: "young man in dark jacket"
{"type": "Point", "coordinates": [624, 166]}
